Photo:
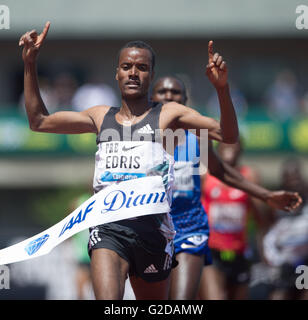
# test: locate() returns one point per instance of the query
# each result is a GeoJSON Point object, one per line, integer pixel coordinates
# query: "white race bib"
{"type": "Point", "coordinates": [227, 217]}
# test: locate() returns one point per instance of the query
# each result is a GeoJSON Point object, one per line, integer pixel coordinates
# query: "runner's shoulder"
{"type": "Point", "coordinates": [174, 109]}
{"type": "Point", "coordinates": [97, 114]}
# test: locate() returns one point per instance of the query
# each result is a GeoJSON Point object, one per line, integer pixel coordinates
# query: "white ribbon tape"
{"type": "Point", "coordinates": [125, 200]}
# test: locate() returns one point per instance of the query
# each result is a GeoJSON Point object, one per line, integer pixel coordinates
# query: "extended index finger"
{"type": "Point", "coordinates": [210, 51]}
{"type": "Point", "coordinates": [45, 30]}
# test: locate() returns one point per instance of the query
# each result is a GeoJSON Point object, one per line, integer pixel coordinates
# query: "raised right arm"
{"type": "Point", "coordinates": [65, 122]}
{"type": "Point", "coordinates": [283, 200]}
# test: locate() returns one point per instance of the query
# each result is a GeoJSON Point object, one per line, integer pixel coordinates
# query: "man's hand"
{"type": "Point", "coordinates": [284, 200]}
{"type": "Point", "coordinates": [32, 43]}
{"type": "Point", "coordinates": [216, 70]}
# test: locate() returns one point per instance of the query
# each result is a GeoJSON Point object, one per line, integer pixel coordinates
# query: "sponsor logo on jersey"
{"type": "Point", "coordinates": [129, 148]}
{"type": "Point", "coordinates": [146, 129]}
{"type": "Point", "coordinates": [120, 176]}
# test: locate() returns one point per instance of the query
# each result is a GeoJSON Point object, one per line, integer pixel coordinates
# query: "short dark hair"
{"type": "Point", "coordinates": [141, 45]}
{"type": "Point", "coordinates": [179, 80]}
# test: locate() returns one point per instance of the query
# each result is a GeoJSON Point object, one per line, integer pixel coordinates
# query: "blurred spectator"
{"type": "Point", "coordinates": [281, 97]}
{"type": "Point", "coordinates": [47, 94]}
{"type": "Point", "coordinates": [57, 94]}
{"type": "Point", "coordinates": [238, 99]}
{"type": "Point", "coordinates": [286, 244]}
{"type": "Point", "coordinates": [304, 104]}
{"type": "Point", "coordinates": [93, 93]}
{"type": "Point", "coordinates": [64, 88]}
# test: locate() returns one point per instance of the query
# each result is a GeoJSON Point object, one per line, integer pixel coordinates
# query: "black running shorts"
{"type": "Point", "coordinates": [140, 242]}
{"type": "Point", "coordinates": [236, 269]}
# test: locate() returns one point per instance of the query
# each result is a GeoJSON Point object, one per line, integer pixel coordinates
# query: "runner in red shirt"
{"type": "Point", "coordinates": [227, 210]}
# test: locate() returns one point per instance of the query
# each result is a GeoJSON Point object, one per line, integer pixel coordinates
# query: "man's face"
{"type": "Point", "coordinates": [167, 90]}
{"type": "Point", "coordinates": [134, 73]}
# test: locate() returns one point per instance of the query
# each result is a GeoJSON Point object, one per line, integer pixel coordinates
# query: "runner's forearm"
{"type": "Point", "coordinates": [233, 178]}
{"type": "Point", "coordinates": [35, 107]}
{"type": "Point", "coordinates": [228, 120]}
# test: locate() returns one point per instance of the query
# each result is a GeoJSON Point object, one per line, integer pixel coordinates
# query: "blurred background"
{"type": "Point", "coordinates": [43, 176]}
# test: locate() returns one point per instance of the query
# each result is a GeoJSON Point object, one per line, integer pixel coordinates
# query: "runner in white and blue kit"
{"type": "Point", "coordinates": [134, 73]}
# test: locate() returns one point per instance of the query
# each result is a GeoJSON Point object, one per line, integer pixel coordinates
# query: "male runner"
{"type": "Point", "coordinates": [228, 209]}
{"type": "Point", "coordinates": [189, 217]}
{"type": "Point", "coordinates": [122, 248]}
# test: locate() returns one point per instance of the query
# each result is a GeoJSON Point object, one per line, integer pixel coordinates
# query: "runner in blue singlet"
{"type": "Point", "coordinates": [189, 218]}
